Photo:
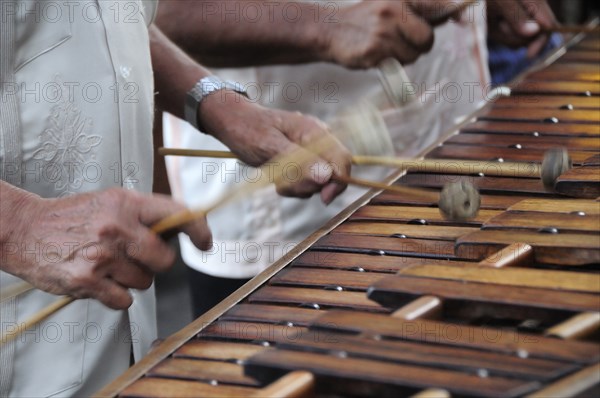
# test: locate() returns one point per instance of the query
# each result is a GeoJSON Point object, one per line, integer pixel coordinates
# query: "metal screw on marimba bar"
{"type": "Point", "coordinates": [418, 221]}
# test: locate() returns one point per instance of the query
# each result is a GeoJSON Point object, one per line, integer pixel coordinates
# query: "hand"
{"type": "Point", "coordinates": [519, 23]}
{"type": "Point", "coordinates": [258, 134]}
{"type": "Point", "coordinates": [94, 245]}
{"type": "Point", "coordinates": [368, 32]}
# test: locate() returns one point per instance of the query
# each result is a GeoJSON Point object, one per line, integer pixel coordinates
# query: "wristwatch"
{"type": "Point", "coordinates": [204, 87]}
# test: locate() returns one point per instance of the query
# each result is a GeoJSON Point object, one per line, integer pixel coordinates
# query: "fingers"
{"type": "Point", "coordinates": [332, 191]}
{"type": "Point", "coordinates": [437, 12]}
{"type": "Point", "coordinates": [541, 12]}
{"type": "Point", "coordinates": [340, 162]}
{"type": "Point", "coordinates": [155, 208]}
{"type": "Point", "coordinates": [414, 36]}
{"type": "Point", "coordinates": [130, 275]}
{"type": "Point", "coordinates": [416, 39]}
{"type": "Point", "coordinates": [371, 31]}
{"type": "Point", "coordinates": [328, 158]}
{"type": "Point", "coordinates": [88, 281]}
{"type": "Point", "coordinates": [111, 294]}
{"type": "Point", "coordinates": [520, 23]}
{"type": "Point", "coordinates": [418, 33]}
{"type": "Point", "coordinates": [302, 175]}
{"type": "Point", "coordinates": [518, 19]}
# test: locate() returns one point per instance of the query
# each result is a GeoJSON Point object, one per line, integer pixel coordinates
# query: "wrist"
{"type": "Point", "coordinates": [315, 37]}
{"type": "Point", "coordinates": [219, 110]}
{"type": "Point", "coordinates": [18, 212]}
{"type": "Point", "coordinates": [205, 87]}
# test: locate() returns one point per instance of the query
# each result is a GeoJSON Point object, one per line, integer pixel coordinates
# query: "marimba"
{"type": "Point", "coordinates": [390, 299]}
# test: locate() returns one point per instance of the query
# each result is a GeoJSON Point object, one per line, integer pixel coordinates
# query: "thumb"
{"type": "Point", "coordinates": [541, 12]}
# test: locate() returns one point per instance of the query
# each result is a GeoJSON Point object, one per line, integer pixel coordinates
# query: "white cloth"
{"type": "Point", "coordinates": [253, 233]}
{"type": "Point", "coordinates": [81, 82]}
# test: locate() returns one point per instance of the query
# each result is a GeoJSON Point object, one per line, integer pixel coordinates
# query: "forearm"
{"type": "Point", "coordinates": [243, 32]}
{"type": "Point", "coordinates": [175, 73]}
{"type": "Point", "coordinates": [14, 203]}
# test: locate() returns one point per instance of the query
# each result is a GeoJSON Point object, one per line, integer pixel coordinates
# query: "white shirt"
{"type": "Point", "coordinates": [253, 233]}
{"type": "Point", "coordinates": [76, 117]}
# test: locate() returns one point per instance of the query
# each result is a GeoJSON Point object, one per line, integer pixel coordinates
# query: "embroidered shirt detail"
{"type": "Point", "coordinates": [67, 145]}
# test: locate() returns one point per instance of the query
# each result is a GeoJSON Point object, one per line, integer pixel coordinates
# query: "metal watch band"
{"type": "Point", "coordinates": [204, 87]}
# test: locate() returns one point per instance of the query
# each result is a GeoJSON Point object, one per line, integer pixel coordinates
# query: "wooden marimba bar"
{"type": "Point", "coordinates": [392, 300]}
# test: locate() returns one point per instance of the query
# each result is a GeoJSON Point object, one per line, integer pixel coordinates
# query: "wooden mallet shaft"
{"type": "Point", "coordinates": [443, 166]}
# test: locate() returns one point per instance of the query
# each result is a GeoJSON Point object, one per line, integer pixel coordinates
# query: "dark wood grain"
{"type": "Point", "coordinates": [538, 220]}
{"type": "Point", "coordinates": [380, 374]}
{"type": "Point", "coordinates": [486, 185]}
{"type": "Point", "coordinates": [561, 87]}
{"type": "Point", "coordinates": [511, 276]}
{"type": "Point", "coordinates": [303, 277]}
{"type": "Point", "coordinates": [436, 356]}
{"type": "Point", "coordinates": [278, 314]}
{"type": "Point", "coordinates": [150, 387]}
{"type": "Point", "coordinates": [494, 153]}
{"type": "Point", "coordinates": [562, 206]}
{"type": "Point", "coordinates": [407, 214]}
{"type": "Point", "coordinates": [488, 202]}
{"type": "Point", "coordinates": [399, 288]}
{"type": "Point", "coordinates": [536, 115]}
{"type": "Point", "coordinates": [562, 249]}
{"type": "Point", "coordinates": [255, 332]}
{"type": "Point", "coordinates": [392, 229]}
{"type": "Point", "coordinates": [216, 350]}
{"type": "Point", "coordinates": [202, 370]}
{"type": "Point", "coordinates": [569, 72]}
{"type": "Point", "coordinates": [309, 297]}
{"type": "Point", "coordinates": [505, 127]}
{"type": "Point", "coordinates": [526, 141]}
{"type": "Point", "coordinates": [386, 246]}
{"type": "Point", "coordinates": [361, 262]}
{"type": "Point", "coordinates": [582, 182]}
{"type": "Point", "coordinates": [592, 161]}
{"type": "Point", "coordinates": [432, 332]}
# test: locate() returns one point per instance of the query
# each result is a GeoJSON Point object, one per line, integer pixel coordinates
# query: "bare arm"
{"type": "Point", "coordinates": [255, 133]}
{"type": "Point", "coordinates": [238, 32]}
{"type": "Point", "coordinates": [356, 35]}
